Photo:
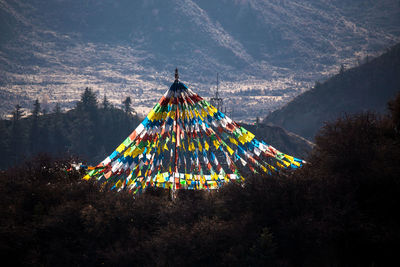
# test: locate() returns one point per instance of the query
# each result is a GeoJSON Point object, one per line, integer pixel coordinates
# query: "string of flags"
{"type": "Point", "coordinates": [186, 143]}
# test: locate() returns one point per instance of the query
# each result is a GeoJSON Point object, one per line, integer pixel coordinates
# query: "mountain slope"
{"type": "Point", "coordinates": [121, 48]}
{"type": "Point", "coordinates": [281, 139]}
{"type": "Point", "coordinates": [367, 87]}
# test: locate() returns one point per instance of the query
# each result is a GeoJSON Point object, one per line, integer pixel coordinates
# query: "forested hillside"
{"type": "Point", "coordinates": [88, 131]}
{"type": "Point", "coordinates": [366, 87]}
{"type": "Point", "coordinates": [339, 209]}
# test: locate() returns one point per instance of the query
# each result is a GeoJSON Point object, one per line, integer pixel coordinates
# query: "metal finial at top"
{"type": "Point", "coordinates": [176, 75]}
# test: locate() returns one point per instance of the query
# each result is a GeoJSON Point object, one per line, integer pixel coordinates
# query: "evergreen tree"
{"type": "Point", "coordinates": [342, 69]}
{"type": "Point", "coordinates": [58, 136]}
{"type": "Point", "coordinates": [17, 136]}
{"type": "Point", "coordinates": [4, 143]}
{"type": "Point", "coordinates": [86, 127]}
{"type": "Point", "coordinates": [36, 109]}
{"type": "Point", "coordinates": [34, 128]}
{"type": "Point", "coordinates": [88, 101]}
{"type": "Point", "coordinates": [106, 103]}
{"type": "Point", "coordinates": [127, 105]}
{"type": "Point", "coordinates": [57, 109]}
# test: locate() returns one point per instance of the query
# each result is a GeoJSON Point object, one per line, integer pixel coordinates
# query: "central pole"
{"type": "Point", "coordinates": [176, 75]}
{"type": "Point", "coordinates": [176, 135]}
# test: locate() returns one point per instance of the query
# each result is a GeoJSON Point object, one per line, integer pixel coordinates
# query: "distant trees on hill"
{"type": "Point", "coordinates": [366, 87]}
{"type": "Point", "coordinates": [90, 130]}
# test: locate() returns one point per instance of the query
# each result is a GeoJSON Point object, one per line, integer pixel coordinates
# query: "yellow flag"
{"type": "Point", "coordinates": [135, 152]}
{"type": "Point", "coordinates": [200, 147]}
{"type": "Point", "coordinates": [296, 163]}
{"type": "Point", "coordinates": [206, 146]}
{"type": "Point", "coordinates": [233, 141]}
{"type": "Point", "coordinates": [280, 165]}
{"type": "Point", "coordinates": [191, 147]}
{"type": "Point", "coordinates": [120, 148]}
{"type": "Point", "coordinates": [216, 144]}
{"type": "Point", "coordinates": [150, 116]}
{"type": "Point", "coordinates": [287, 164]}
{"type": "Point", "coordinates": [157, 116]}
{"type": "Point", "coordinates": [229, 150]}
{"type": "Point", "coordinates": [242, 139]}
{"type": "Point", "coordinates": [129, 151]}
{"type": "Point", "coordinates": [263, 168]}
{"type": "Point", "coordinates": [210, 111]}
{"type": "Point", "coordinates": [187, 176]}
{"type": "Point", "coordinates": [271, 167]}
{"type": "Point", "coordinates": [250, 136]}
{"type": "Point", "coordinates": [86, 177]}
{"type": "Point", "coordinates": [290, 158]}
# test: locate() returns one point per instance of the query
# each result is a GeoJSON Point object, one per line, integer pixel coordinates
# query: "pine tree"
{"type": "Point", "coordinates": [86, 127]}
{"type": "Point", "coordinates": [58, 131]}
{"type": "Point", "coordinates": [17, 136]}
{"type": "Point", "coordinates": [342, 69]}
{"type": "Point", "coordinates": [4, 143]}
{"type": "Point", "coordinates": [34, 128]}
{"type": "Point", "coordinates": [127, 105]}
{"type": "Point", "coordinates": [57, 109]}
{"type": "Point", "coordinates": [106, 103]}
{"type": "Point", "coordinates": [88, 102]}
{"type": "Point", "coordinates": [36, 109]}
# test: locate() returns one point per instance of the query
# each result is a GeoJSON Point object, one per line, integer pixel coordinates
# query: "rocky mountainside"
{"type": "Point", "coordinates": [266, 52]}
{"type": "Point", "coordinates": [368, 87]}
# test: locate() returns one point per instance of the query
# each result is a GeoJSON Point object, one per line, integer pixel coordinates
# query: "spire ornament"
{"type": "Point", "coordinates": [176, 75]}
